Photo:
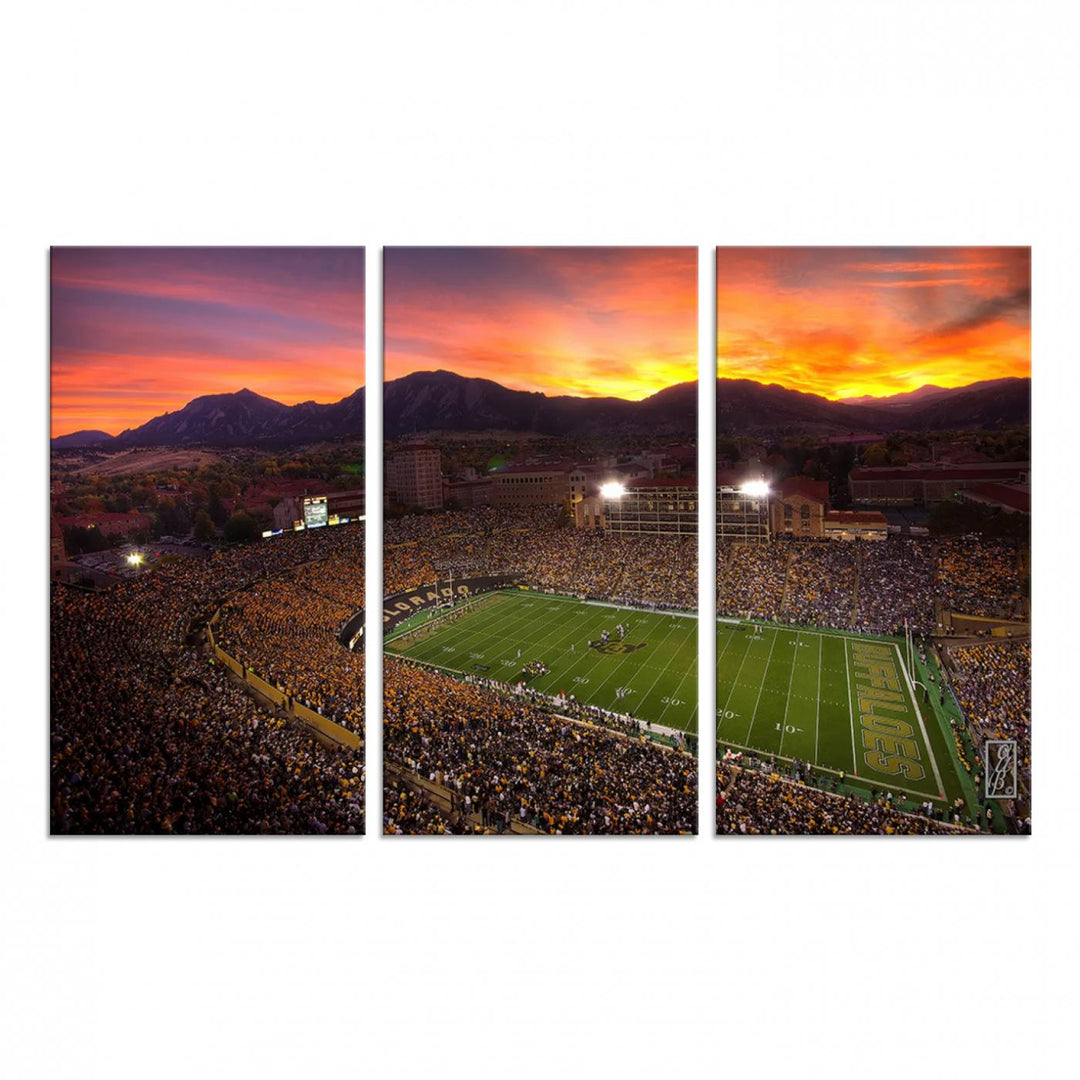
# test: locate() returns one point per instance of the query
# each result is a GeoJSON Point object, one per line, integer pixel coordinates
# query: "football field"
{"type": "Point", "coordinates": [841, 702]}
{"type": "Point", "coordinates": [654, 666]}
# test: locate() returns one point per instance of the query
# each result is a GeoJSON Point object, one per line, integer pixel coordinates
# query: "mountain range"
{"type": "Point", "coordinates": [426, 401]}
{"type": "Point", "coordinates": [744, 407]}
{"type": "Point", "coordinates": [442, 401]}
{"type": "Point", "coordinates": [236, 419]}
{"type": "Point", "coordinates": [76, 440]}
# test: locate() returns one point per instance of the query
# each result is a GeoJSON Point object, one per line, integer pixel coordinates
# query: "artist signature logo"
{"type": "Point", "coordinates": [1001, 769]}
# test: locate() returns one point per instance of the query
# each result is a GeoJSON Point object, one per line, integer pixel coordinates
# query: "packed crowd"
{"type": "Point", "coordinates": [872, 586]}
{"type": "Point", "coordinates": [821, 584]}
{"type": "Point", "coordinates": [512, 762]}
{"type": "Point", "coordinates": [756, 802]}
{"type": "Point", "coordinates": [658, 571]}
{"type": "Point", "coordinates": [286, 630]}
{"type": "Point", "coordinates": [750, 580]}
{"type": "Point", "coordinates": [992, 683]}
{"type": "Point", "coordinates": [896, 582]}
{"type": "Point", "coordinates": [980, 577]}
{"type": "Point", "coordinates": [150, 735]}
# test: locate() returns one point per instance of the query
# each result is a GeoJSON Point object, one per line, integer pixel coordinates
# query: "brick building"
{"type": "Point", "coordinates": [856, 525]}
{"type": "Point", "coordinates": [664, 506]}
{"type": "Point", "coordinates": [531, 485]}
{"type": "Point", "coordinates": [924, 485]}
{"type": "Point", "coordinates": [798, 507]}
{"type": "Point", "coordinates": [110, 525]}
{"type": "Point", "coordinates": [414, 477]}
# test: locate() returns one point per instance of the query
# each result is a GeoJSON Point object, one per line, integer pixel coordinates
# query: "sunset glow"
{"type": "Point", "coordinates": [137, 332]}
{"type": "Point", "coordinates": [588, 322]}
{"type": "Point", "coordinates": [847, 322]}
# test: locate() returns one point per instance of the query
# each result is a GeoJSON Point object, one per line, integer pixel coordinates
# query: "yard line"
{"type": "Point", "coordinates": [825, 768]}
{"type": "Point", "coordinates": [764, 677]}
{"type": "Point", "coordinates": [922, 727]}
{"type": "Point", "coordinates": [675, 693]}
{"type": "Point", "coordinates": [648, 618]}
{"type": "Point", "coordinates": [735, 683]}
{"type": "Point", "coordinates": [510, 614]}
{"type": "Point", "coordinates": [730, 638]}
{"type": "Point", "coordinates": [787, 702]}
{"type": "Point", "coordinates": [531, 623]}
{"type": "Point", "coordinates": [851, 714]}
{"type": "Point", "coordinates": [661, 675]}
{"type": "Point", "coordinates": [542, 642]}
{"type": "Point", "coordinates": [586, 653]}
{"type": "Point", "coordinates": [590, 656]}
{"type": "Point", "coordinates": [544, 685]}
{"type": "Point", "coordinates": [509, 622]}
{"type": "Point", "coordinates": [817, 718]}
{"type": "Point", "coordinates": [719, 661]}
{"type": "Point", "coordinates": [456, 637]}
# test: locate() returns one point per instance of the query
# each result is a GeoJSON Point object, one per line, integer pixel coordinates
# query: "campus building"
{"type": "Point", "coordinates": [530, 485]}
{"type": "Point", "coordinates": [111, 525]}
{"type": "Point", "coordinates": [798, 507]}
{"type": "Point", "coordinates": [1010, 498]}
{"type": "Point", "coordinates": [664, 506]}
{"type": "Point", "coordinates": [741, 518]}
{"type": "Point", "coordinates": [467, 494]}
{"type": "Point", "coordinates": [924, 485]}
{"type": "Point", "coordinates": [57, 552]}
{"type": "Point", "coordinates": [414, 477]}
{"type": "Point", "coordinates": [856, 525]}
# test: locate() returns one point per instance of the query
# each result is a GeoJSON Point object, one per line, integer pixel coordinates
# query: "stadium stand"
{"type": "Point", "coordinates": [509, 762]}
{"type": "Point", "coordinates": [150, 735]}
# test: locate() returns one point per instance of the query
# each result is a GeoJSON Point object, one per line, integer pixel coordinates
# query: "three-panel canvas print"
{"type": "Point", "coordinates": [541, 516]}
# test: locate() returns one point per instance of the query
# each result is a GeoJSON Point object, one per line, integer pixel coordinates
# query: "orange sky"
{"type": "Point", "coordinates": [583, 321]}
{"type": "Point", "coordinates": [136, 332]}
{"type": "Point", "coordinates": [843, 322]}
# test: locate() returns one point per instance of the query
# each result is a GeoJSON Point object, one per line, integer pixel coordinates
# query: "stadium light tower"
{"type": "Point", "coordinates": [755, 489]}
{"type": "Point", "coordinates": [612, 490]}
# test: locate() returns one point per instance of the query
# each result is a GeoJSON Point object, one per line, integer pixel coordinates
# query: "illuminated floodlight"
{"type": "Point", "coordinates": [755, 489]}
{"type": "Point", "coordinates": [135, 559]}
{"type": "Point", "coordinates": [612, 490]}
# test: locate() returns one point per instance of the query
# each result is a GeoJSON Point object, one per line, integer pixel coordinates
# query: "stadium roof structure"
{"type": "Point", "coordinates": [104, 517]}
{"type": "Point", "coordinates": [1015, 497]}
{"type": "Point", "coordinates": [663, 482]}
{"type": "Point", "coordinates": [738, 477]}
{"type": "Point", "coordinates": [941, 472]}
{"type": "Point", "coordinates": [818, 490]}
{"type": "Point", "coordinates": [856, 517]}
{"type": "Point", "coordinates": [545, 466]}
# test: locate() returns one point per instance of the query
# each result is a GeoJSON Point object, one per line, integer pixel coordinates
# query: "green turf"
{"type": "Point", "coordinates": [795, 693]}
{"type": "Point", "coordinates": [657, 662]}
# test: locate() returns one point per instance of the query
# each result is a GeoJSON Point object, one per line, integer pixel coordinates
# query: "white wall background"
{"type": "Point", "coordinates": [549, 122]}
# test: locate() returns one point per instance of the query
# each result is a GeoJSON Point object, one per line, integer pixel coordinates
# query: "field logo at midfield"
{"type": "Point", "coordinates": [1001, 768]}
{"type": "Point", "coordinates": [886, 723]}
{"type": "Point", "coordinates": [612, 648]}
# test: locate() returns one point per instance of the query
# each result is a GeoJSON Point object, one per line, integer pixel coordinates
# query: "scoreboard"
{"type": "Point", "coordinates": [315, 514]}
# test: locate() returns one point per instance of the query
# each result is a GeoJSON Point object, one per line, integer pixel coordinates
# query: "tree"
{"type": "Point", "coordinates": [204, 526]}
{"type": "Point", "coordinates": [875, 454]}
{"type": "Point", "coordinates": [80, 541]}
{"type": "Point", "coordinates": [173, 518]}
{"type": "Point", "coordinates": [241, 528]}
{"type": "Point", "coordinates": [216, 509]}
